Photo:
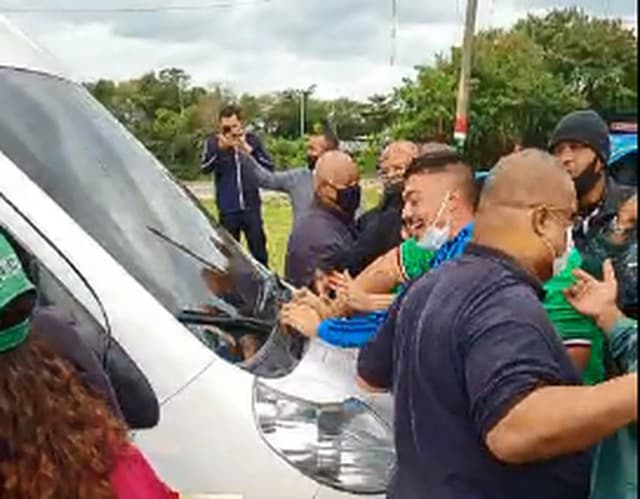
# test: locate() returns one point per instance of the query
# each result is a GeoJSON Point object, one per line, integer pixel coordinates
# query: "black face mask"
{"type": "Point", "coordinates": [587, 179]}
{"type": "Point", "coordinates": [391, 194]}
{"type": "Point", "coordinates": [392, 190]}
{"type": "Point", "coordinates": [311, 162]}
{"type": "Point", "coordinates": [348, 199]}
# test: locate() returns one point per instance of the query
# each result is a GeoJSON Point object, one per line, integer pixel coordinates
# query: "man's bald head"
{"type": "Point", "coordinates": [530, 177]}
{"type": "Point", "coordinates": [336, 168]}
{"type": "Point", "coordinates": [393, 163]}
{"type": "Point", "coordinates": [526, 209]}
{"type": "Point", "coordinates": [335, 179]}
{"type": "Point", "coordinates": [399, 147]}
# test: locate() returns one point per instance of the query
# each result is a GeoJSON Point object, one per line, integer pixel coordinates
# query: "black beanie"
{"type": "Point", "coordinates": [585, 127]}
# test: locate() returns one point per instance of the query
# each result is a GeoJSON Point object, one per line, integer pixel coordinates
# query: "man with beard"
{"type": "Point", "coordinates": [607, 216]}
{"type": "Point", "coordinates": [380, 229]}
{"type": "Point", "coordinates": [296, 183]}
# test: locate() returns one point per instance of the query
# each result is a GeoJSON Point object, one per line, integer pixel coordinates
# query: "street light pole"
{"type": "Point", "coordinates": [302, 114]}
{"type": "Point", "coordinates": [462, 106]}
{"type": "Point", "coordinates": [303, 101]}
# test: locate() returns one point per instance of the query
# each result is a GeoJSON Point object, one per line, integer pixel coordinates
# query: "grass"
{"type": "Point", "coordinates": [276, 212]}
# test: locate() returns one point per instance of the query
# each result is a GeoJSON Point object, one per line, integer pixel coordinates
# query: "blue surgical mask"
{"type": "Point", "coordinates": [435, 237]}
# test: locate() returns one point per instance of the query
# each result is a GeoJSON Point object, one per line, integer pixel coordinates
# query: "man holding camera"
{"type": "Point", "coordinates": [236, 189]}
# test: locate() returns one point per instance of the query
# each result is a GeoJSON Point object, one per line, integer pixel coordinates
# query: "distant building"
{"type": "Point", "coordinates": [355, 146]}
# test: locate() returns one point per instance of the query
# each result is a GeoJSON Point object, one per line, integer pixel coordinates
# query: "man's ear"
{"type": "Point", "coordinates": [455, 198]}
{"type": "Point", "coordinates": [326, 191]}
{"type": "Point", "coordinates": [540, 221]}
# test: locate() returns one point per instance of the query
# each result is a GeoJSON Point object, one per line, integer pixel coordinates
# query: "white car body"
{"type": "Point", "coordinates": [207, 440]}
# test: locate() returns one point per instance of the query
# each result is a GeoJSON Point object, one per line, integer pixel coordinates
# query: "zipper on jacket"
{"type": "Point", "coordinates": [239, 181]}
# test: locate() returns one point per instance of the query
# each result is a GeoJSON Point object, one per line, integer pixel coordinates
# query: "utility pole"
{"type": "Point", "coordinates": [462, 107]}
{"type": "Point", "coordinates": [304, 94]}
{"type": "Point", "coordinates": [302, 113]}
{"type": "Point", "coordinates": [394, 30]}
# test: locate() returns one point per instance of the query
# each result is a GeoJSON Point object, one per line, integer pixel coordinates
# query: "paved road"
{"type": "Point", "coordinates": [204, 190]}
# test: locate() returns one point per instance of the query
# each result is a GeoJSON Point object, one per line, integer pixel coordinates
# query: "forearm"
{"type": "Point", "coordinates": [260, 154]}
{"type": "Point", "coordinates": [267, 179]}
{"type": "Point", "coordinates": [208, 164]}
{"type": "Point", "coordinates": [208, 159]}
{"type": "Point", "coordinates": [623, 336]}
{"type": "Point", "coordinates": [623, 342]}
{"type": "Point", "coordinates": [553, 421]}
{"type": "Point", "coordinates": [382, 275]}
{"type": "Point", "coordinates": [362, 383]}
{"type": "Point", "coordinates": [377, 302]}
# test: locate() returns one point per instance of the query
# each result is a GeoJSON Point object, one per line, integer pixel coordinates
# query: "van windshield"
{"type": "Point", "coordinates": [82, 157]}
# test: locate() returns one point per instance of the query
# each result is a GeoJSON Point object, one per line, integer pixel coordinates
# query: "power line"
{"type": "Point", "coordinates": [128, 10]}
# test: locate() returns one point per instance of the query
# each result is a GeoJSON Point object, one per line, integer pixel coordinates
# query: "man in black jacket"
{"type": "Point", "coordinates": [236, 189]}
{"type": "Point", "coordinates": [604, 227]}
{"type": "Point", "coordinates": [327, 228]}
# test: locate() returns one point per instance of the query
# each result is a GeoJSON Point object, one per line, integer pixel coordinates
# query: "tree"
{"type": "Point", "coordinates": [595, 57]}
{"type": "Point", "coordinates": [523, 81]}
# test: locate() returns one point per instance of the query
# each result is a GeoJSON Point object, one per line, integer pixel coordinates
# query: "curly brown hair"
{"type": "Point", "coordinates": [58, 439]}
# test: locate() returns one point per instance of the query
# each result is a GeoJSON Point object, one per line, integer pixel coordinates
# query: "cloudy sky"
{"type": "Point", "coordinates": [343, 46]}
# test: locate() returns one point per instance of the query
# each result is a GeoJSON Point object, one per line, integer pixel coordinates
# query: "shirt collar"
{"type": "Point", "coordinates": [509, 263]}
{"type": "Point", "coordinates": [461, 239]}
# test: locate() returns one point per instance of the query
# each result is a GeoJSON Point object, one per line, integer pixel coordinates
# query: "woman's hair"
{"type": "Point", "coordinates": [58, 439]}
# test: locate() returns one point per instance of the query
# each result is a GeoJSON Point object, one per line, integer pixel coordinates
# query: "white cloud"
{"type": "Point", "coordinates": [341, 45]}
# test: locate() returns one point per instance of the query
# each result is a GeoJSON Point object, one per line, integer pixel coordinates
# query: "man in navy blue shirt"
{"type": "Point", "coordinates": [237, 193]}
{"type": "Point", "coordinates": [318, 237]}
{"type": "Point", "coordinates": [487, 402]}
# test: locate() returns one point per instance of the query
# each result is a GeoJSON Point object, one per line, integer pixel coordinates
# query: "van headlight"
{"type": "Point", "coordinates": [344, 445]}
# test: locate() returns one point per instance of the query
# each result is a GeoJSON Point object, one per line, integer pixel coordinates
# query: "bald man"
{"type": "Point", "coordinates": [487, 401]}
{"type": "Point", "coordinates": [380, 229]}
{"type": "Point", "coordinates": [328, 225]}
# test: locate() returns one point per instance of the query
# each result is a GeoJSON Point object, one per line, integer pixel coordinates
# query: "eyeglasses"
{"type": "Point", "coordinates": [569, 216]}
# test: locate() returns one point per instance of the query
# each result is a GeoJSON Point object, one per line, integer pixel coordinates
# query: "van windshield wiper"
{"type": "Point", "coordinates": [184, 249]}
{"type": "Point", "coordinates": [199, 317]}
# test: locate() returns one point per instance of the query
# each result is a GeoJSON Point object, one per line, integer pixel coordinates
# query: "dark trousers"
{"type": "Point", "coordinates": [250, 223]}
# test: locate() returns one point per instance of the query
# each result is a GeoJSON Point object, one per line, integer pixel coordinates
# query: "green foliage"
{"type": "Point", "coordinates": [287, 153]}
{"type": "Point", "coordinates": [172, 118]}
{"type": "Point", "coordinates": [368, 158]}
{"type": "Point", "coordinates": [523, 80]}
{"type": "Point", "coordinates": [595, 57]}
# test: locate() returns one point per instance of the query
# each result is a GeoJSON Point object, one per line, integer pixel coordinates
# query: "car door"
{"type": "Point", "coordinates": [61, 286]}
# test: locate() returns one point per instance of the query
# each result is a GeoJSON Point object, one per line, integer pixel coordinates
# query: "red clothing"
{"type": "Point", "coordinates": [134, 478]}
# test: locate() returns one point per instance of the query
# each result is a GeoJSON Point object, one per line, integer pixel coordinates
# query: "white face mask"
{"type": "Point", "coordinates": [435, 237]}
{"type": "Point", "coordinates": [560, 262]}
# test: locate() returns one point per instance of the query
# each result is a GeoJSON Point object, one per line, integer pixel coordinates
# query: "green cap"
{"type": "Point", "coordinates": [13, 283]}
